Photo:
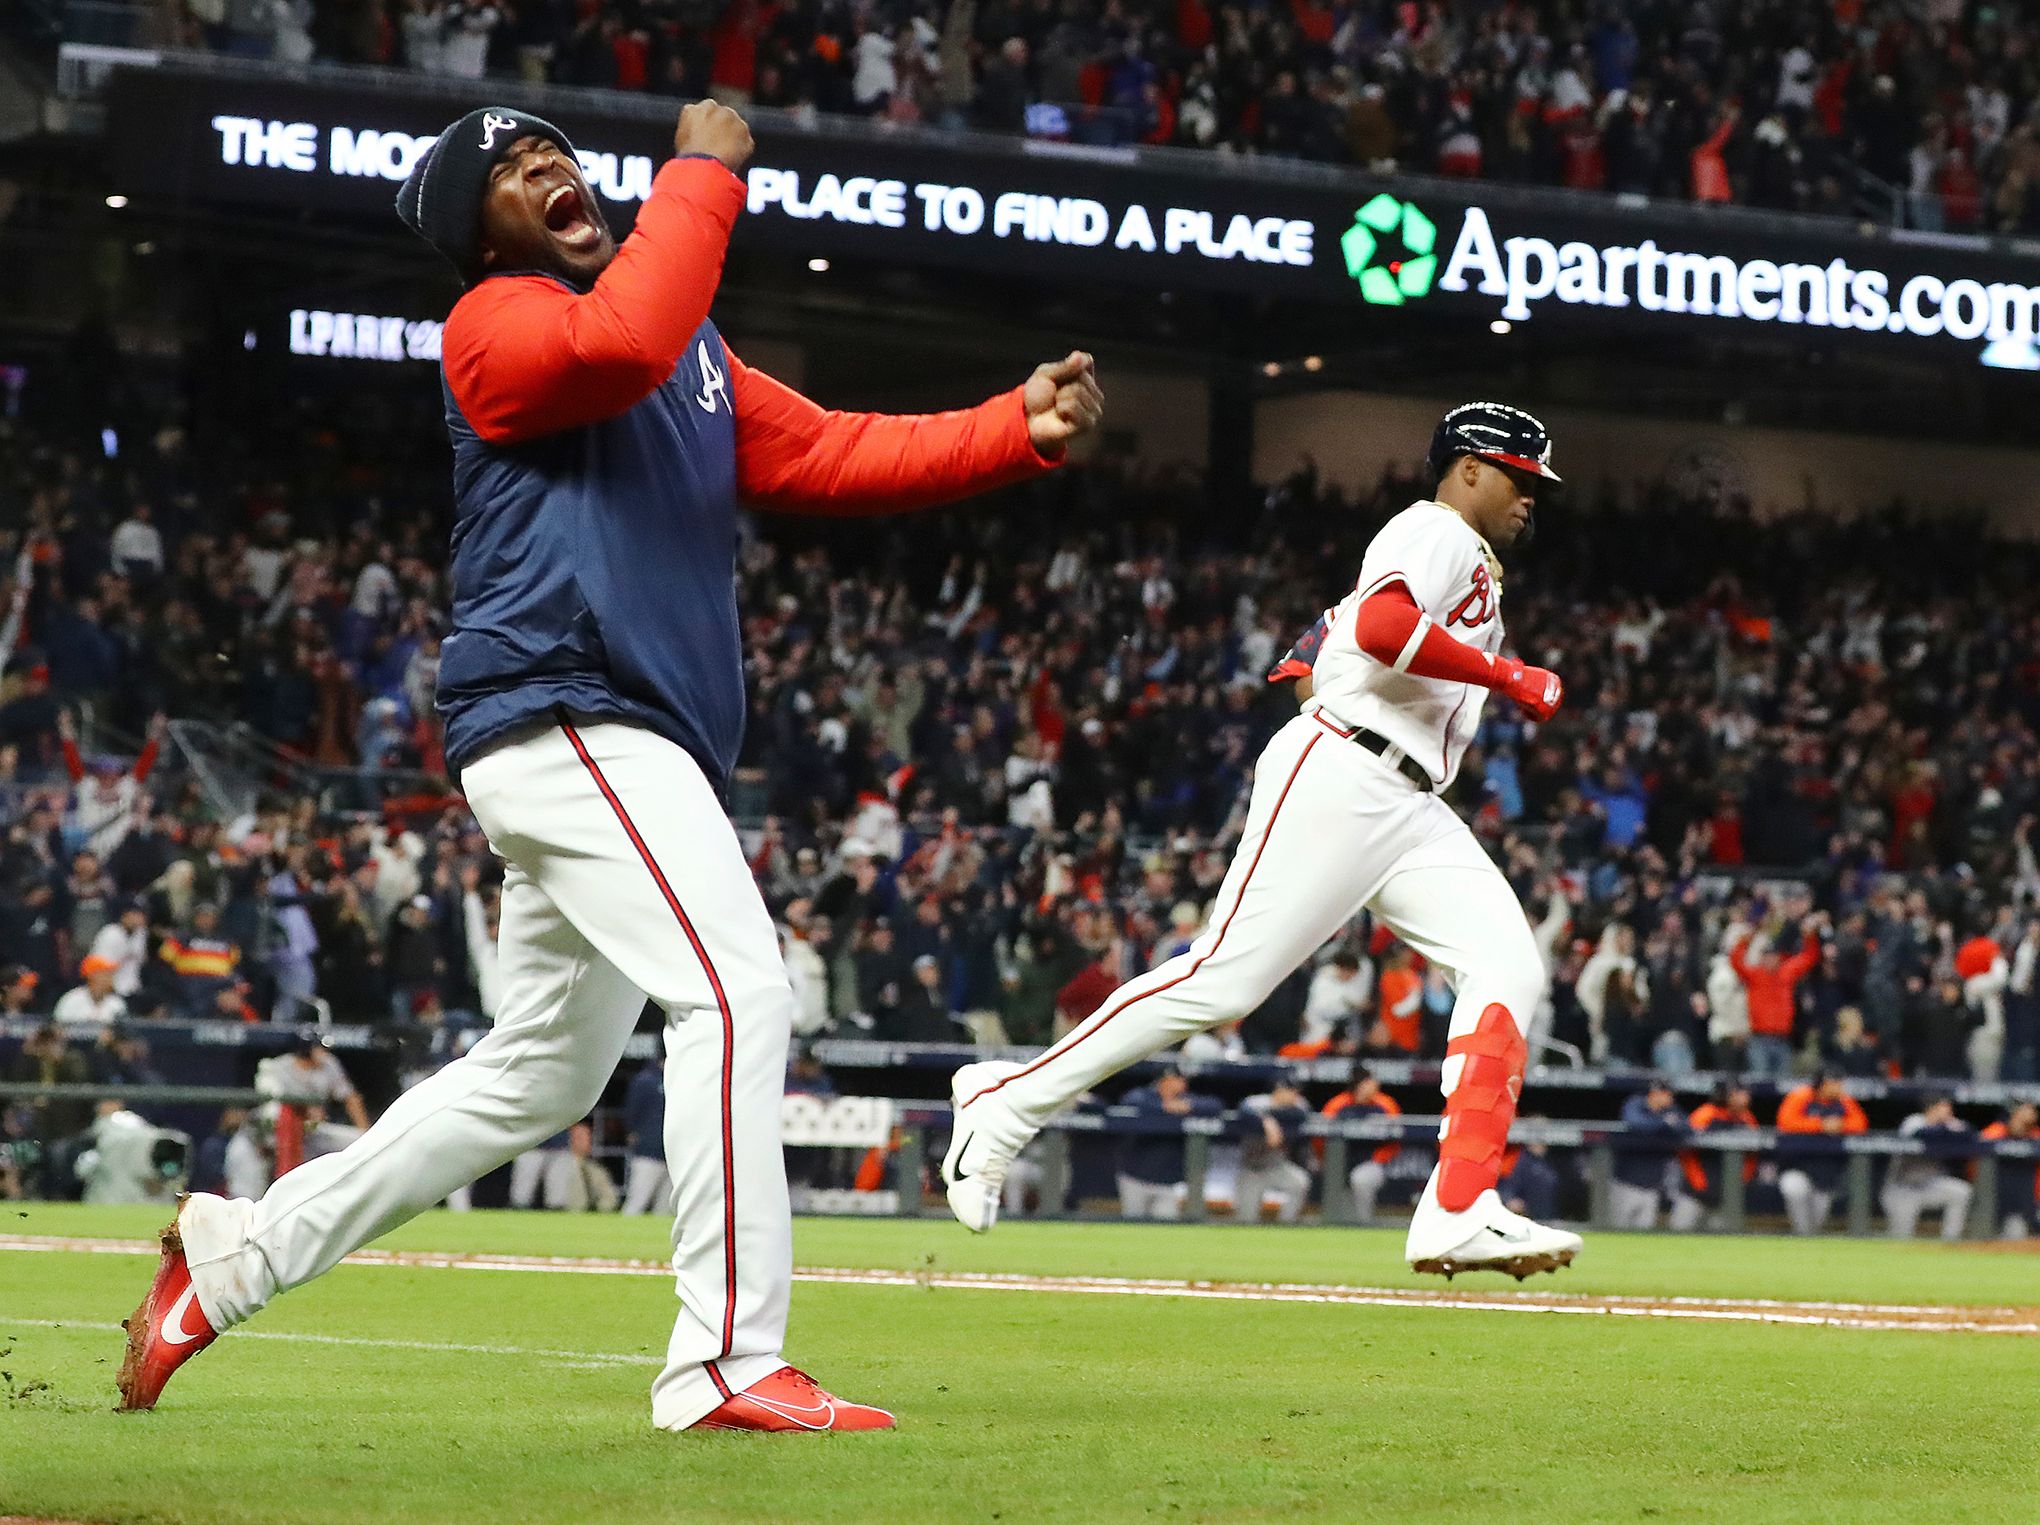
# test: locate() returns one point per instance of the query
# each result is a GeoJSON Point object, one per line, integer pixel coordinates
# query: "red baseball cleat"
{"type": "Point", "coordinates": [166, 1331]}
{"type": "Point", "coordinates": [789, 1399]}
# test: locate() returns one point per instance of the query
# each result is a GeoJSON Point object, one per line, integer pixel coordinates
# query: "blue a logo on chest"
{"type": "Point", "coordinates": [714, 391]}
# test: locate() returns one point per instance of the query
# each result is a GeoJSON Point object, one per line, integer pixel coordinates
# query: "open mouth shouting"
{"type": "Point", "coordinates": [566, 217]}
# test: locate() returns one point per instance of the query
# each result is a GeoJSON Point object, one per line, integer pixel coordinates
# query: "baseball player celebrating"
{"type": "Point", "coordinates": [1345, 813]}
{"type": "Point", "coordinates": [593, 694]}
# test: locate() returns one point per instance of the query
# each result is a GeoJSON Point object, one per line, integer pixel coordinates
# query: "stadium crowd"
{"type": "Point", "coordinates": [994, 764]}
{"type": "Point", "coordinates": [1772, 103]}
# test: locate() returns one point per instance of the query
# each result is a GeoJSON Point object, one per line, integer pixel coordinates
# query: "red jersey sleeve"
{"type": "Point", "coordinates": [526, 356]}
{"type": "Point", "coordinates": [1390, 628]}
{"type": "Point", "coordinates": [795, 455]}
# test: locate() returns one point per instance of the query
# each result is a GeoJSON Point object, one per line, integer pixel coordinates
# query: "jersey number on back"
{"type": "Point", "coordinates": [1478, 607]}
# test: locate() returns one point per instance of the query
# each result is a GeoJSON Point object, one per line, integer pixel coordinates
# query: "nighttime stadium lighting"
{"type": "Point", "coordinates": [1501, 326]}
{"type": "Point", "coordinates": [1272, 368]}
{"type": "Point", "coordinates": [1313, 362]}
{"type": "Point", "coordinates": [819, 265]}
{"type": "Point", "coordinates": [116, 202]}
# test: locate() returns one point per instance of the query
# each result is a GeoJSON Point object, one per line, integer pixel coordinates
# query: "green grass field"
{"type": "Point", "coordinates": [446, 1395]}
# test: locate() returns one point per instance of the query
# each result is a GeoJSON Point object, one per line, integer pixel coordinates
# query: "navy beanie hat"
{"type": "Point", "coordinates": [441, 199]}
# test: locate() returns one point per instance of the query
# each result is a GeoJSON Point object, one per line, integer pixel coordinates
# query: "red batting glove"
{"type": "Point", "coordinates": [1537, 690]}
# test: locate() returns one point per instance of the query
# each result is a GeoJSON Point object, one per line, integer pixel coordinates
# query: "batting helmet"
{"type": "Point", "coordinates": [1495, 432]}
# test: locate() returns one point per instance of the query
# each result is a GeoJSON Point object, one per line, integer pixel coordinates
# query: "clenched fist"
{"type": "Point", "coordinates": [1063, 402]}
{"type": "Point", "coordinates": [710, 127]}
{"type": "Point", "coordinates": [1536, 689]}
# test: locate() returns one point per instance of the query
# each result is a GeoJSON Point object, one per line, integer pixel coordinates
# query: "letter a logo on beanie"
{"type": "Point", "coordinates": [493, 124]}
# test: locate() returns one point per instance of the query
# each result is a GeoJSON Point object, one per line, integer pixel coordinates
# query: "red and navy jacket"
{"type": "Point", "coordinates": [602, 440]}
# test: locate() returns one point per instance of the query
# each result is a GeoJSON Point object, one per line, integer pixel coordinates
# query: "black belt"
{"type": "Point", "coordinates": [1381, 746]}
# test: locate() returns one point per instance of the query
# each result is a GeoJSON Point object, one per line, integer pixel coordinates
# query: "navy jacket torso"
{"type": "Point", "coordinates": [594, 572]}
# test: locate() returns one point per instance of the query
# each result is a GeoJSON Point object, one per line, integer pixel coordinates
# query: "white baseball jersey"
{"type": "Point", "coordinates": [1444, 563]}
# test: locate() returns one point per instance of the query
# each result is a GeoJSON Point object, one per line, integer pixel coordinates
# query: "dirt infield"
{"type": "Point", "coordinates": [1926, 1317]}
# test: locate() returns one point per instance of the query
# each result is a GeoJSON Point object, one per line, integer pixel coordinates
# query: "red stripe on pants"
{"type": "Point", "coordinates": [722, 1003]}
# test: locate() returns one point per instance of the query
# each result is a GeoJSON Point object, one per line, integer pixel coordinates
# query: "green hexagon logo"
{"type": "Point", "coordinates": [1391, 251]}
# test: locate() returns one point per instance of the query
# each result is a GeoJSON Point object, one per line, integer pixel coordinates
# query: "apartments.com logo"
{"type": "Point", "coordinates": [2002, 316]}
{"type": "Point", "coordinates": [1391, 250]}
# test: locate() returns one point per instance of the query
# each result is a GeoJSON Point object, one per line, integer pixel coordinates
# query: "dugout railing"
{"type": "Point", "coordinates": [1598, 1142]}
{"type": "Point", "coordinates": [921, 1131]}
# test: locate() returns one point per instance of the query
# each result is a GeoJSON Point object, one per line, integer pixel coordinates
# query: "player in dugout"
{"type": "Point", "coordinates": [593, 692]}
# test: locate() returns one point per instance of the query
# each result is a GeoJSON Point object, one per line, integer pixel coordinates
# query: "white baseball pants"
{"type": "Point", "coordinates": [1330, 828]}
{"type": "Point", "coordinates": [647, 1184]}
{"type": "Point", "coordinates": [625, 881]}
{"type": "Point", "coordinates": [1904, 1202]}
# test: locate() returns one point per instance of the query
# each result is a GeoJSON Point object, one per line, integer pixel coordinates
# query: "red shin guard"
{"type": "Point", "coordinates": [1480, 1108]}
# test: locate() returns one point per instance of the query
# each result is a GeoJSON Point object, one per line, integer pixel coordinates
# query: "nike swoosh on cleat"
{"type": "Point", "coordinates": [1513, 1236]}
{"type": "Point", "coordinates": [825, 1412]}
{"type": "Point", "coordinates": [173, 1321]}
{"type": "Point", "coordinates": [963, 1175]}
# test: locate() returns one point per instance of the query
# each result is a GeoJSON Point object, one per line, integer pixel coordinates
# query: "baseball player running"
{"type": "Point", "coordinates": [1345, 813]}
{"type": "Point", "coordinates": [592, 688]}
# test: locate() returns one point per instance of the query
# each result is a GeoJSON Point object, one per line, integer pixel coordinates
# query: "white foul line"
{"type": "Point", "coordinates": [1833, 1315]}
{"type": "Point", "coordinates": [588, 1358]}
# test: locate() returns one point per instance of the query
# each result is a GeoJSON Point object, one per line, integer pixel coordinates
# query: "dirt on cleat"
{"type": "Point", "coordinates": [1518, 1266]}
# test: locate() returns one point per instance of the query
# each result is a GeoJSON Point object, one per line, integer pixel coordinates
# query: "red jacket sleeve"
{"type": "Point", "coordinates": [1387, 621]}
{"type": "Point", "coordinates": [74, 764]}
{"type": "Point", "coordinates": [1801, 964]}
{"type": "Point", "coordinates": [526, 357]}
{"type": "Point", "coordinates": [795, 455]}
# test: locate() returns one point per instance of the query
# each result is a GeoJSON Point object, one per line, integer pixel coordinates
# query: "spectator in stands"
{"type": "Point", "coordinates": [804, 948]}
{"type": "Point", "coordinates": [1849, 1050]}
{"type": "Point", "coordinates": [1151, 1183]}
{"type": "Point", "coordinates": [1088, 987]}
{"type": "Point", "coordinates": [88, 904]}
{"type": "Point", "coordinates": [137, 546]}
{"type": "Point", "coordinates": [17, 991]}
{"type": "Point", "coordinates": [922, 1013]}
{"type": "Point", "coordinates": [1697, 1191]}
{"type": "Point", "coordinates": [1986, 975]}
{"type": "Point", "coordinates": [124, 943]}
{"type": "Point", "coordinates": [1272, 1151]}
{"type": "Point", "coordinates": [30, 934]}
{"type": "Point", "coordinates": [1651, 1124]}
{"type": "Point", "coordinates": [2022, 1008]}
{"type": "Point", "coordinates": [1916, 1183]}
{"type": "Point", "coordinates": [1398, 1004]}
{"type": "Point", "coordinates": [2016, 1211]}
{"type": "Point", "coordinates": [1768, 980]}
{"type": "Point", "coordinates": [1365, 1098]}
{"type": "Point", "coordinates": [203, 961]}
{"type": "Point", "coordinates": [107, 796]}
{"type": "Point", "coordinates": [94, 1003]}
{"type": "Point", "coordinates": [1338, 999]}
{"type": "Point", "coordinates": [1808, 1178]}
{"type": "Point", "coordinates": [412, 957]}
{"type": "Point", "coordinates": [1939, 1024]}
{"type": "Point", "coordinates": [1728, 1006]}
